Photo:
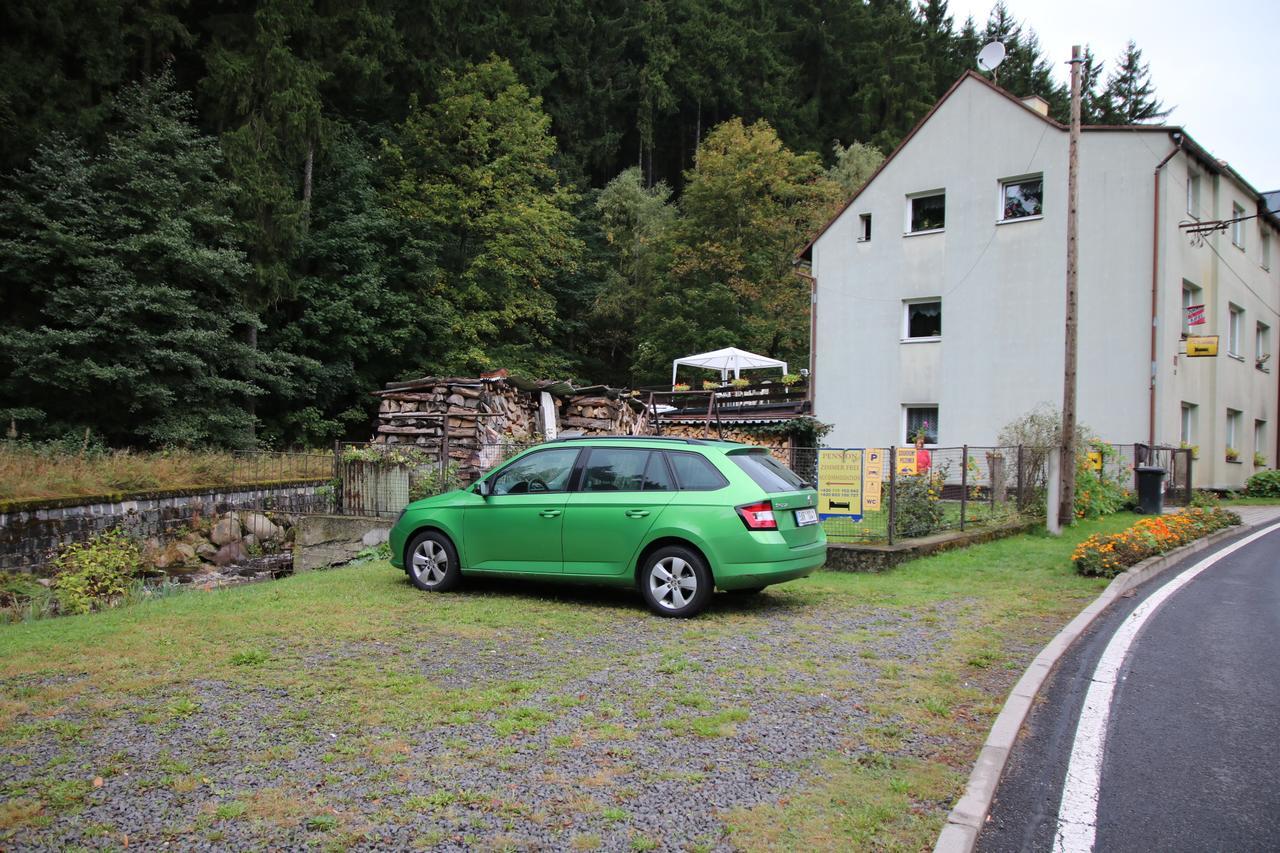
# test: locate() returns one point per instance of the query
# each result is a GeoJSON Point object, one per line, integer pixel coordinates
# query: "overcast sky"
{"type": "Point", "coordinates": [1216, 63]}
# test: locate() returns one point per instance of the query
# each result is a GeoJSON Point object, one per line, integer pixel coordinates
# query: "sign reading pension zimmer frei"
{"type": "Point", "coordinates": [849, 481]}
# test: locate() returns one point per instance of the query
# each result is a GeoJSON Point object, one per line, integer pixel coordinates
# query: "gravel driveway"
{"type": "Point", "coordinates": [641, 735]}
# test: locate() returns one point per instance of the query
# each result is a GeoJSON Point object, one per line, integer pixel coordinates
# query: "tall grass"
{"type": "Point", "coordinates": [57, 470]}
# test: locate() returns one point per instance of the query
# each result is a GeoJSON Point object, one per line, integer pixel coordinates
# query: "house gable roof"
{"type": "Point", "coordinates": [806, 252]}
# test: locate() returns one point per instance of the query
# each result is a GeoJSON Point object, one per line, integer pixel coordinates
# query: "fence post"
{"type": "Point", "coordinates": [964, 482]}
{"type": "Point", "coordinates": [893, 490]}
{"type": "Point", "coordinates": [1021, 500]}
{"type": "Point", "coordinates": [337, 478]}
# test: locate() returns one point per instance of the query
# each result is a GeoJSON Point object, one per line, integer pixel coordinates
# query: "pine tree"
{"type": "Point", "coordinates": [1091, 100]}
{"type": "Point", "coordinates": [120, 280]}
{"type": "Point", "coordinates": [1129, 97]}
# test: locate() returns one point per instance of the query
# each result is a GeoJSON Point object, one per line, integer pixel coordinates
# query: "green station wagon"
{"type": "Point", "coordinates": [673, 517]}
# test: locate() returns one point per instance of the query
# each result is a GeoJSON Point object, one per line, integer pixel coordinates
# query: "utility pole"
{"type": "Point", "coordinates": [1073, 270]}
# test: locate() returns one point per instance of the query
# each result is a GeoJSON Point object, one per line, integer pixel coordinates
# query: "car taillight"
{"type": "Point", "coordinates": [758, 516]}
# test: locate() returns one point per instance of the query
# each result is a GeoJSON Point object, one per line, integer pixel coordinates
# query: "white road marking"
{"type": "Point", "coordinates": [1078, 812]}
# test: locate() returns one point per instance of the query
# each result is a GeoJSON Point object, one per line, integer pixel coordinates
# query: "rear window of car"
{"type": "Point", "coordinates": [768, 473]}
{"type": "Point", "coordinates": [694, 472]}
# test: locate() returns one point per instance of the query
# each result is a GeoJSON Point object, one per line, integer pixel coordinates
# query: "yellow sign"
{"type": "Point", "coordinates": [872, 478]}
{"type": "Point", "coordinates": [840, 473]}
{"type": "Point", "coordinates": [1095, 460]}
{"type": "Point", "coordinates": [906, 462]}
{"type": "Point", "coordinates": [1202, 347]}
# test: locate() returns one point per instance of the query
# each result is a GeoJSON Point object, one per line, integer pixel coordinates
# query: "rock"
{"type": "Point", "coordinates": [260, 526]}
{"type": "Point", "coordinates": [232, 552]}
{"type": "Point", "coordinates": [193, 539]}
{"type": "Point", "coordinates": [205, 551]}
{"type": "Point", "coordinates": [375, 537]}
{"type": "Point", "coordinates": [175, 555]}
{"type": "Point", "coordinates": [227, 530]}
{"type": "Point", "coordinates": [249, 542]}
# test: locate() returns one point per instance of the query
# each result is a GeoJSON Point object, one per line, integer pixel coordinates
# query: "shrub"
{"type": "Point", "coordinates": [1264, 484]}
{"type": "Point", "coordinates": [94, 574]}
{"type": "Point", "coordinates": [1100, 492]}
{"type": "Point", "coordinates": [710, 385]}
{"type": "Point", "coordinates": [1204, 499]}
{"type": "Point", "coordinates": [1108, 556]}
{"type": "Point", "coordinates": [919, 509]}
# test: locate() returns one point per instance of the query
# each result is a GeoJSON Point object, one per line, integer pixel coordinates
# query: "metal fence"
{"type": "Point", "coordinates": [971, 487]}
{"type": "Point", "coordinates": [963, 487]}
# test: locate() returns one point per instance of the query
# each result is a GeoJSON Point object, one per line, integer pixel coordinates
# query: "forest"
{"type": "Point", "coordinates": [224, 222]}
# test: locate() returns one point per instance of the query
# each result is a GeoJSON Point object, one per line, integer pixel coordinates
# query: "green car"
{"type": "Point", "coordinates": [674, 517]}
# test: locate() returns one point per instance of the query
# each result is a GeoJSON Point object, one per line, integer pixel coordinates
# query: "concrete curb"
{"type": "Point", "coordinates": [960, 834]}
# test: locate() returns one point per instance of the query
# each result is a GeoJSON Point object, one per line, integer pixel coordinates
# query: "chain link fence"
{"type": "Point", "coordinates": [956, 488]}
{"type": "Point", "coordinates": [972, 487]}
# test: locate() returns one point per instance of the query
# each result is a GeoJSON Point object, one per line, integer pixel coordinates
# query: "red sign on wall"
{"type": "Point", "coordinates": [1195, 315]}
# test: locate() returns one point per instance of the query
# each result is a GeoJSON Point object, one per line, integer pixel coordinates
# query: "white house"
{"type": "Point", "coordinates": [940, 288]}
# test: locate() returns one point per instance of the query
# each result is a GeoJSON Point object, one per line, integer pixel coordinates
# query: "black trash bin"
{"type": "Point", "coordinates": [1150, 493]}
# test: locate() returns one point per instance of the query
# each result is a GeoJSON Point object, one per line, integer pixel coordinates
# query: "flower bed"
{"type": "Point", "coordinates": [1108, 556]}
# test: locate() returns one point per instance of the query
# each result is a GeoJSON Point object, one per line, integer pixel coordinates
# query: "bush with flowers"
{"type": "Point", "coordinates": [1101, 489]}
{"type": "Point", "coordinates": [1108, 556]}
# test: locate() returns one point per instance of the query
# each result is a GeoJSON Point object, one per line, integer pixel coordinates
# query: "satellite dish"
{"type": "Point", "coordinates": [990, 57]}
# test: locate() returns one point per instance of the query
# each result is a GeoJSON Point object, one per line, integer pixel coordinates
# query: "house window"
{"type": "Point", "coordinates": [1237, 226]}
{"type": "Point", "coordinates": [1262, 346]}
{"type": "Point", "coordinates": [1193, 194]}
{"type": "Point", "coordinates": [864, 227]}
{"type": "Point", "coordinates": [1235, 322]}
{"type": "Point", "coordinates": [927, 212]}
{"type": "Point", "coordinates": [921, 418]}
{"type": "Point", "coordinates": [1233, 430]}
{"type": "Point", "coordinates": [1187, 432]}
{"type": "Point", "coordinates": [1260, 438]}
{"type": "Point", "coordinates": [923, 320]}
{"type": "Point", "coordinates": [1021, 198]}
{"type": "Point", "coordinates": [1190, 297]}
{"type": "Point", "coordinates": [1266, 250]}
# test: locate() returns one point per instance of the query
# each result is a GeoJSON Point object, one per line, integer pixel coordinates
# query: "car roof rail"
{"type": "Point", "coordinates": [630, 438]}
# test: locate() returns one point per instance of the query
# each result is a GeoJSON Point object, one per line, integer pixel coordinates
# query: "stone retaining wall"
{"type": "Point", "coordinates": [32, 531]}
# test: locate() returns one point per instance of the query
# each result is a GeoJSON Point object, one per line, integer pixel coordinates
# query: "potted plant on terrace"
{"type": "Point", "coordinates": [1233, 455]}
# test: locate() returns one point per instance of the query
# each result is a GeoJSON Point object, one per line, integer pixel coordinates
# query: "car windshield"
{"type": "Point", "coordinates": [768, 473]}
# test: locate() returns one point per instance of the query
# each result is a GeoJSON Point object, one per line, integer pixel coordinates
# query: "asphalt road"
{"type": "Point", "coordinates": [1192, 748]}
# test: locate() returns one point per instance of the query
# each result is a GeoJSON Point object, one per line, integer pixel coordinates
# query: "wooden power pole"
{"type": "Point", "coordinates": [1067, 512]}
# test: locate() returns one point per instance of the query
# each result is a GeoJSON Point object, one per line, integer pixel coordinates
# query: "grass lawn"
{"type": "Point", "coordinates": [874, 525]}
{"type": "Point", "coordinates": [343, 707]}
{"type": "Point", "coordinates": [31, 471]}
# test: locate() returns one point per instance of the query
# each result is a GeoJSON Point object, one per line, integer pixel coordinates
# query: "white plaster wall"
{"type": "Point", "coordinates": [1003, 291]}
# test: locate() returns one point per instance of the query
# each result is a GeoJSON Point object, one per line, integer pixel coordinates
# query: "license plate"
{"type": "Point", "coordinates": [806, 517]}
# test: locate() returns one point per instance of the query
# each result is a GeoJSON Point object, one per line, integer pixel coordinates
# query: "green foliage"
{"type": "Point", "coordinates": [94, 574]}
{"type": "Point", "coordinates": [477, 192]}
{"type": "Point", "coordinates": [120, 284]}
{"type": "Point", "coordinates": [1102, 491]}
{"type": "Point", "coordinates": [919, 503]}
{"type": "Point", "coordinates": [747, 205]}
{"type": "Point", "coordinates": [1264, 484]}
{"type": "Point", "coordinates": [854, 165]}
{"type": "Point", "coordinates": [431, 481]}
{"type": "Point", "coordinates": [1205, 499]}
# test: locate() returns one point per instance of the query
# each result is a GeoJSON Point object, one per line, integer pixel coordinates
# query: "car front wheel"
{"type": "Point", "coordinates": [675, 582]}
{"type": "Point", "coordinates": [433, 562]}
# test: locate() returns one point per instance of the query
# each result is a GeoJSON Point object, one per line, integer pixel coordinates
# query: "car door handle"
{"type": "Point", "coordinates": [550, 513]}
{"type": "Point", "coordinates": [637, 513]}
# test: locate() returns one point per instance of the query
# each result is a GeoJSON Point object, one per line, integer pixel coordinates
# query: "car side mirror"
{"type": "Point", "coordinates": [484, 488]}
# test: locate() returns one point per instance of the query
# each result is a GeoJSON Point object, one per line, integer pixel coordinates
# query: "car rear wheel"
{"type": "Point", "coordinates": [675, 582]}
{"type": "Point", "coordinates": [433, 562]}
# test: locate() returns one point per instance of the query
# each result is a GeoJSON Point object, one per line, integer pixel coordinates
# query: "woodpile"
{"type": "Point", "coordinates": [484, 418]}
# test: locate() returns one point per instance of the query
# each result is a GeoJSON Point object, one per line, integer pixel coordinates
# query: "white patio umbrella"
{"type": "Point", "coordinates": [725, 360]}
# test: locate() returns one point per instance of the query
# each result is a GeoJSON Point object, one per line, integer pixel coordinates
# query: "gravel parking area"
{"type": "Point", "coordinates": [643, 734]}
